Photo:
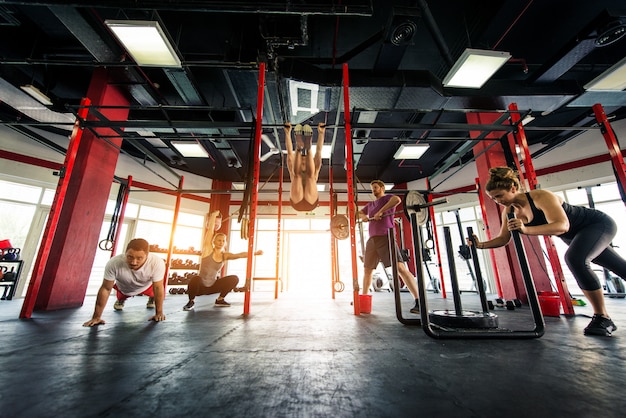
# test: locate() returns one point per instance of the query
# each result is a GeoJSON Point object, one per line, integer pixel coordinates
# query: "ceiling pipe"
{"type": "Point", "coordinates": [435, 32]}
{"type": "Point", "coordinates": [217, 6]}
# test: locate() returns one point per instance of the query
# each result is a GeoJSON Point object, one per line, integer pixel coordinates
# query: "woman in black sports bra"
{"type": "Point", "coordinates": [587, 232]}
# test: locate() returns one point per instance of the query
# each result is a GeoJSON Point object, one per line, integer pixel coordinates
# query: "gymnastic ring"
{"type": "Point", "coordinates": [106, 245]}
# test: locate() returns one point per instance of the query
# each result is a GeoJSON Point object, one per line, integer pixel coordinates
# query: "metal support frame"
{"type": "Point", "coordinates": [497, 333]}
{"type": "Point", "coordinates": [531, 177]}
{"type": "Point", "coordinates": [55, 213]}
{"type": "Point", "coordinates": [431, 213]}
{"type": "Point", "coordinates": [256, 174]}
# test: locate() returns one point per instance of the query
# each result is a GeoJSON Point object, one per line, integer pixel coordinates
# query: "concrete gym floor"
{"type": "Point", "coordinates": [301, 356]}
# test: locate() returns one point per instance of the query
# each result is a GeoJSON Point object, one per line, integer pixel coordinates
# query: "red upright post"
{"type": "Point", "coordinates": [55, 212]}
{"type": "Point", "coordinates": [613, 145]}
{"type": "Point", "coordinates": [533, 183]}
{"type": "Point", "coordinates": [350, 181]}
{"type": "Point", "coordinates": [254, 192]}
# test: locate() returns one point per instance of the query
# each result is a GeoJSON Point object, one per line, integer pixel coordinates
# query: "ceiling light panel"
{"type": "Point", "coordinates": [474, 67]}
{"type": "Point", "coordinates": [190, 149]}
{"type": "Point", "coordinates": [146, 42]}
{"type": "Point", "coordinates": [37, 94]}
{"type": "Point", "coordinates": [613, 79]}
{"type": "Point", "coordinates": [411, 152]}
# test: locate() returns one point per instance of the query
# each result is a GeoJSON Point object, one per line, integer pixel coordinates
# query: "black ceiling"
{"type": "Point", "coordinates": [397, 53]}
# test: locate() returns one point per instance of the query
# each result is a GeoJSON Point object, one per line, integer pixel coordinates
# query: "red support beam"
{"type": "Point", "coordinates": [75, 235]}
{"type": "Point", "coordinates": [26, 159]}
{"type": "Point", "coordinates": [490, 155]}
{"type": "Point", "coordinates": [55, 213]}
{"type": "Point", "coordinates": [533, 183]}
{"type": "Point", "coordinates": [350, 181]}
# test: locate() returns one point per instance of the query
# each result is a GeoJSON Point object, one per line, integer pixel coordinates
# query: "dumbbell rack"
{"type": "Point", "coordinates": [435, 331]}
{"type": "Point", "coordinates": [10, 286]}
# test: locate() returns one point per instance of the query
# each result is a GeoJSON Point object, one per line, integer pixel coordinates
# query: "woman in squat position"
{"type": "Point", "coordinates": [213, 257]}
{"type": "Point", "coordinates": [587, 232]}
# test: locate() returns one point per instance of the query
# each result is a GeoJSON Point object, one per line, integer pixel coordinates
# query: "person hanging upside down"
{"type": "Point", "coordinates": [587, 232]}
{"type": "Point", "coordinates": [213, 257]}
{"type": "Point", "coordinates": [304, 167]}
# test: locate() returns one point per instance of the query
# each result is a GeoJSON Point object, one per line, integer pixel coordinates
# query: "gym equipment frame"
{"type": "Point", "coordinates": [465, 333]}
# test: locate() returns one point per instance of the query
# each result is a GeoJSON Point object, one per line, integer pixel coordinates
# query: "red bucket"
{"type": "Point", "coordinates": [550, 303]}
{"type": "Point", "coordinates": [4, 244]}
{"type": "Point", "coordinates": [365, 303]}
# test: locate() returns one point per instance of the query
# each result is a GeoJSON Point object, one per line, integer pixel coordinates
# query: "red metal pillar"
{"type": "Point", "coordinates": [533, 183]}
{"type": "Point", "coordinates": [493, 156]}
{"type": "Point", "coordinates": [613, 145]}
{"type": "Point", "coordinates": [45, 248]}
{"type": "Point", "coordinates": [350, 181]}
{"type": "Point", "coordinates": [66, 256]}
{"type": "Point", "coordinates": [254, 192]}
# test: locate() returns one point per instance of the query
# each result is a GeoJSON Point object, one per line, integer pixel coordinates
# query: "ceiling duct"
{"type": "Point", "coordinates": [612, 33]}
{"type": "Point", "coordinates": [7, 18]}
{"type": "Point", "coordinates": [183, 85]}
{"type": "Point", "coordinates": [602, 31]}
{"type": "Point", "coordinates": [84, 33]}
{"type": "Point", "coordinates": [30, 107]}
{"type": "Point", "coordinates": [400, 32]}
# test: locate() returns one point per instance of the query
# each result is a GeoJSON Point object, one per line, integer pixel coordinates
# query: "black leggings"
{"type": "Point", "coordinates": [223, 286]}
{"type": "Point", "coordinates": [592, 244]}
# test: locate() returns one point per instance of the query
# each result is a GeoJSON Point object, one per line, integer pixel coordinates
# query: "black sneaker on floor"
{"type": "Point", "coordinates": [416, 308]}
{"type": "Point", "coordinates": [221, 303]}
{"type": "Point", "coordinates": [600, 325]}
{"type": "Point", "coordinates": [189, 306]}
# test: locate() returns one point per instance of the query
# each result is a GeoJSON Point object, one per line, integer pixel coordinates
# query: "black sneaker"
{"type": "Point", "coordinates": [189, 306]}
{"type": "Point", "coordinates": [221, 303]}
{"type": "Point", "coordinates": [150, 303]}
{"type": "Point", "coordinates": [600, 325]}
{"type": "Point", "coordinates": [416, 308]}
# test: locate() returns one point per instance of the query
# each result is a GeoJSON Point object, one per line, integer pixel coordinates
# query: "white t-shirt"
{"type": "Point", "coordinates": [133, 282]}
